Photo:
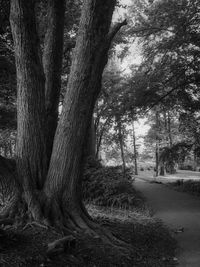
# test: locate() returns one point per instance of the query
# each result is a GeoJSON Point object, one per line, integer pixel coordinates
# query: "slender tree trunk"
{"type": "Point", "coordinates": [100, 135]}
{"type": "Point", "coordinates": [169, 129]}
{"type": "Point", "coordinates": [31, 152]}
{"type": "Point", "coordinates": [120, 139]}
{"type": "Point", "coordinates": [63, 184]}
{"type": "Point", "coordinates": [157, 143]}
{"type": "Point", "coordinates": [99, 143]}
{"type": "Point", "coordinates": [135, 150]}
{"type": "Point", "coordinates": [172, 169]}
{"type": "Point", "coordinates": [157, 158]}
{"type": "Point", "coordinates": [194, 159]}
{"type": "Point", "coordinates": [90, 149]}
{"type": "Point", "coordinates": [52, 62]}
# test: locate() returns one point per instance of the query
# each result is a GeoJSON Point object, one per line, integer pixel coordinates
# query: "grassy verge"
{"type": "Point", "coordinates": [189, 186]}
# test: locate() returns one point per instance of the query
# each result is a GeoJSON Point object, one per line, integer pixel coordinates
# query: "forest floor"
{"type": "Point", "coordinates": [179, 211]}
{"type": "Point", "coordinates": [151, 244]}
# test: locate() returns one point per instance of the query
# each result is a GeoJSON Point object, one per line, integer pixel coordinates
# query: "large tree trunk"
{"type": "Point", "coordinates": [31, 154]}
{"type": "Point", "coordinates": [52, 62]}
{"type": "Point", "coordinates": [63, 184]}
{"type": "Point", "coordinates": [58, 198]}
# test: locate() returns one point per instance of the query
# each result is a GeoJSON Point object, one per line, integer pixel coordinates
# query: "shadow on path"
{"type": "Point", "coordinates": [177, 210]}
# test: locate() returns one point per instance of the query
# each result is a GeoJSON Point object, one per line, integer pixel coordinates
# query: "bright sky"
{"type": "Point", "coordinates": [141, 127]}
{"type": "Point", "coordinates": [133, 57]}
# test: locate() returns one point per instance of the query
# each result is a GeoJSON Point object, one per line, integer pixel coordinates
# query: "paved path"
{"type": "Point", "coordinates": [176, 210]}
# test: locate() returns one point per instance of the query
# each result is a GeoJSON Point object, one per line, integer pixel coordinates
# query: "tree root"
{"type": "Point", "coordinates": [34, 223]}
{"type": "Point", "coordinates": [6, 221]}
{"type": "Point", "coordinates": [64, 244]}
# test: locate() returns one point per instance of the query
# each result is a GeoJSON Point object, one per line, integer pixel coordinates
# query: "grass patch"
{"type": "Point", "coordinates": [189, 186]}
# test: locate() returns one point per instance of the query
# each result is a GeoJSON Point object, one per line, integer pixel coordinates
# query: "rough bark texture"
{"type": "Point", "coordinates": [31, 157]}
{"type": "Point", "coordinates": [52, 63]}
{"type": "Point", "coordinates": [89, 59]}
{"type": "Point", "coordinates": [57, 200]}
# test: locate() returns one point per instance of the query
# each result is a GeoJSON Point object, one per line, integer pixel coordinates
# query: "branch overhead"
{"type": "Point", "coordinates": [115, 29]}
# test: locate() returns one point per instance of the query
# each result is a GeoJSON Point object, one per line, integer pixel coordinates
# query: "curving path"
{"type": "Point", "coordinates": [177, 210]}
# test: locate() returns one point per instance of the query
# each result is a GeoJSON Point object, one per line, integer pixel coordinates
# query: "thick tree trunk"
{"type": "Point", "coordinates": [63, 183]}
{"type": "Point", "coordinates": [31, 155]}
{"type": "Point", "coordinates": [52, 62]}
{"type": "Point", "coordinates": [59, 199]}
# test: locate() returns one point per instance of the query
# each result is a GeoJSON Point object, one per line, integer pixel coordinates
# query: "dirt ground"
{"type": "Point", "coordinates": [150, 244]}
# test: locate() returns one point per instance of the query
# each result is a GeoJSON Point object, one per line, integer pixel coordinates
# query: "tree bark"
{"type": "Point", "coordinates": [157, 143]}
{"type": "Point", "coordinates": [89, 59]}
{"type": "Point", "coordinates": [52, 63]}
{"type": "Point", "coordinates": [135, 150]}
{"type": "Point", "coordinates": [58, 198]}
{"type": "Point", "coordinates": [171, 163]}
{"type": "Point", "coordinates": [90, 149]}
{"type": "Point", "coordinates": [120, 140]}
{"type": "Point", "coordinates": [31, 152]}
{"type": "Point", "coordinates": [169, 129]}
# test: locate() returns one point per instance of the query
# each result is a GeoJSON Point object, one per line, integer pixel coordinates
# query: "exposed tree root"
{"type": "Point", "coordinates": [34, 223]}
{"type": "Point", "coordinates": [61, 245]}
{"type": "Point", "coordinates": [6, 221]}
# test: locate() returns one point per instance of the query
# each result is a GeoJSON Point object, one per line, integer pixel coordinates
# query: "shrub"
{"type": "Point", "coordinates": [106, 186]}
{"type": "Point", "coordinates": [189, 186]}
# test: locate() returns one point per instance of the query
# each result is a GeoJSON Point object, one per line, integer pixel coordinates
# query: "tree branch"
{"type": "Point", "coordinates": [149, 30]}
{"type": "Point", "coordinates": [163, 97]}
{"type": "Point", "coordinates": [115, 29]}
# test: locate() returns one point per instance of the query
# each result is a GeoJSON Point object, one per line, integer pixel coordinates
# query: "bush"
{"type": "Point", "coordinates": [186, 168]}
{"type": "Point", "coordinates": [106, 186]}
{"type": "Point", "coordinates": [189, 186]}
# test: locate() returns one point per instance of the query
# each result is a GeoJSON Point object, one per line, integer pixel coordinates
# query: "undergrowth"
{"type": "Point", "coordinates": [112, 202]}
{"type": "Point", "coordinates": [190, 186]}
{"type": "Point", "coordinates": [109, 187]}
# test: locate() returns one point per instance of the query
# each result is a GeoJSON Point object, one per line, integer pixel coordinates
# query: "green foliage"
{"type": "Point", "coordinates": [106, 186]}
